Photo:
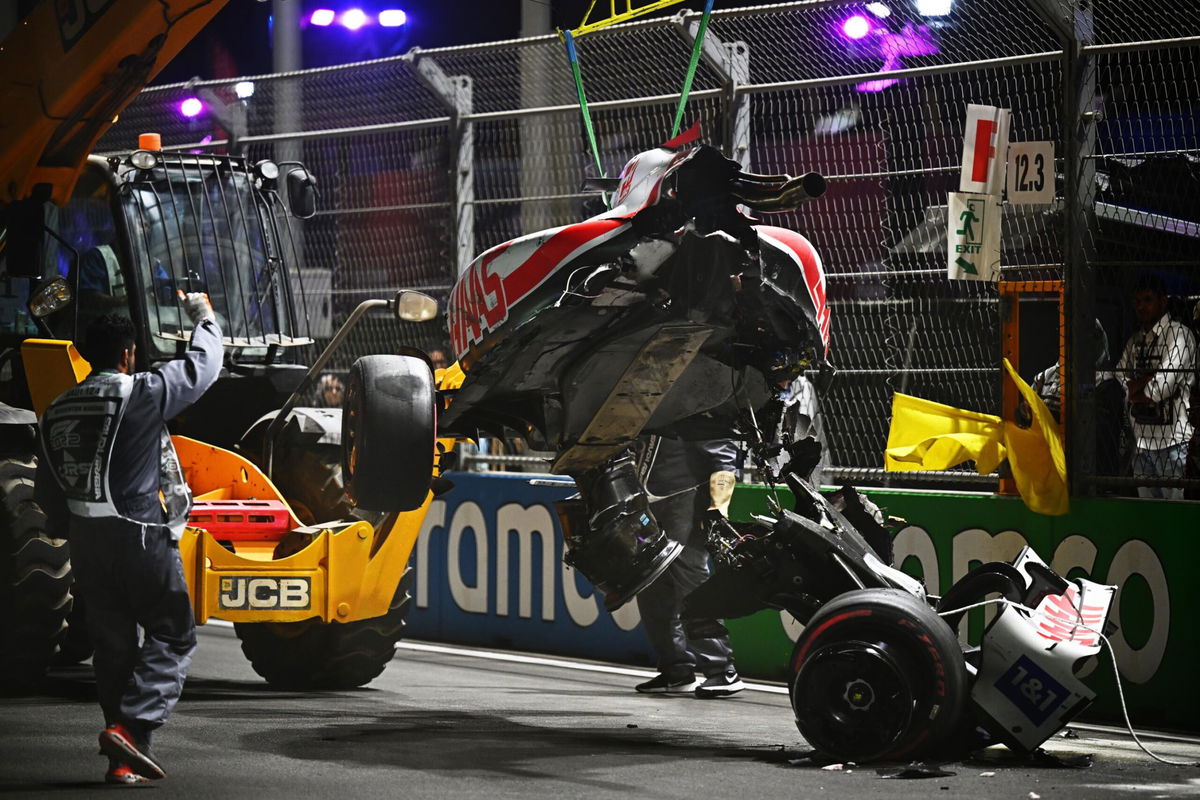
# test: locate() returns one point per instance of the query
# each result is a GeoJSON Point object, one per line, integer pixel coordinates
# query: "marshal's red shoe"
{"type": "Point", "coordinates": [121, 747]}
{"type": "Point", "coordinates": [121, 774]}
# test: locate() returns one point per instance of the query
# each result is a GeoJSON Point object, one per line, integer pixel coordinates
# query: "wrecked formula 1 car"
{"type": "Point", "coordinates": [878, 673]}
{"type": "Point", "coordinates": [672, 313]}
{"type": "Point", "coordinates": [675, 314]}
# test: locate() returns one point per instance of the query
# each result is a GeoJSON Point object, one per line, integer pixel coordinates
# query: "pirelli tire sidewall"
{"type": "Point", "coordinates": [862, 648]}
{"type": "Point", "coordinates": [310, 655]}
{"type": "Point", "coordinates": [35, 579]}
{"type": "Point", "coordinates": [389, 423]}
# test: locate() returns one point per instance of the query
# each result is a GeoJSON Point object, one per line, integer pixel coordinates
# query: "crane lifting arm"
{"type": "Point", "coordinates": [67, 70]}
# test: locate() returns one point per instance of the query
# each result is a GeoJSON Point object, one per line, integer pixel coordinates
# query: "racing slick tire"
{"type": "Point", "coordinates": [389, 421]}
{"type": "Point", "coordinates": [876, 675]}
{"type": "Point", "coordinates": [312, 654]}
{"type": "Point", "coordinates": [35, 579]}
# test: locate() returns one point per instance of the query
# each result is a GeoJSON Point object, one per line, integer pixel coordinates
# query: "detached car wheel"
{"type": "Point", "coordinates": [388, 426]}
{"type": "Point", "coordinates": [876, 675]}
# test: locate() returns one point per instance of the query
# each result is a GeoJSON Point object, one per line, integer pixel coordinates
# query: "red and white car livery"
{"type": "Point", "coordinates": [545, 323]}
{"type": "Point", "coordinates": [508, 273]}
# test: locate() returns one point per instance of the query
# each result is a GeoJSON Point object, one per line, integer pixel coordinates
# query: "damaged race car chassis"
{"type": "Point", "coordinates": [878, 673]}
{"type": "Point", "coordinates": [675, 313]}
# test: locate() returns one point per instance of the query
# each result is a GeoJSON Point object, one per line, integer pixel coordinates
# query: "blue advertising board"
{"type": "Point", "coordinates": [488, 571]}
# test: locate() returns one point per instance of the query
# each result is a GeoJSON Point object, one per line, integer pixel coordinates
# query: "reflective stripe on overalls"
{"type": "Point", "coordinates": [78, 433]}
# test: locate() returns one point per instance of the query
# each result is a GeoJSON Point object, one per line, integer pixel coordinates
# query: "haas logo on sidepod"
{"type": "Point", "coordinates": [477, 303]}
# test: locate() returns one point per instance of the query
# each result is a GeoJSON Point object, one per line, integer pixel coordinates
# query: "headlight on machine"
{"type": "Point", "coordinates": [144, 159]}
{"type": "Point", "coordinates": [267, 170]}
{"type": "Point", "coordinates": [51, 297]}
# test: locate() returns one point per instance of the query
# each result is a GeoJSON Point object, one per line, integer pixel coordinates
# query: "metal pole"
{"type": "Point", "coordinates": [1072, 24]}
{"type": "Point", "coordinates": [315, 370]}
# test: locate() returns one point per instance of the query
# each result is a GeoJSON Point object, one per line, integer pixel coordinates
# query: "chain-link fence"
{"type": "Point", "coordinates": [427, 159]}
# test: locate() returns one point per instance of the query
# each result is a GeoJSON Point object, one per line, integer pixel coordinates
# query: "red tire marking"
{"type": "Point", "coordinates": [824, 626]}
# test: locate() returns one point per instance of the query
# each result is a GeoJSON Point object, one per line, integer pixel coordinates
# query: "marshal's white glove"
{"type": "Point", "coordinates": [198, 307]}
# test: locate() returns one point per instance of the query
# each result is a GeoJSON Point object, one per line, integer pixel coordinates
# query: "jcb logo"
{"type": "Point", "coordinates": [245, 591]}
{"type": "Point", "coordinates": [75, 17]}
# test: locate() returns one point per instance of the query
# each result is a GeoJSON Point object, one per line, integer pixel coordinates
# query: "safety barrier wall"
{"type": "Point", "coordinates": [489, 572]}
{"type": "Point", "coordinates": [425, 160]}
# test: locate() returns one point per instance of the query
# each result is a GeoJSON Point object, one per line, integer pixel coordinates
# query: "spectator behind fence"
{"type": "Point", "coordinates": [438, 358]}
{"type": "Point", "coordinates": [1110, 425]}
{"type": "Point", "coordinates": [330, 391]}
{"type": "Point", "coordinates": [1159, 368]}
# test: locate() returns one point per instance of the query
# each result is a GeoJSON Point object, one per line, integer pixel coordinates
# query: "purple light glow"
{"type": "Point", "coordinates": [191, 107]}
{"type": "Point", "coordinates": [322, 17]}
{"type": "Point", "coordinates": [912, 40]}
{"type": "Point", "coordinates": [353, 19]}
{"type": "Point", "coordinates": [856, 27]}
{"type": "Point", "coordinates": [392, 18]}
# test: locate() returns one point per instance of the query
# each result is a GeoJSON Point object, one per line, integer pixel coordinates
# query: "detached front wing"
{"type": "Point", "coordinates": [1027, 683]}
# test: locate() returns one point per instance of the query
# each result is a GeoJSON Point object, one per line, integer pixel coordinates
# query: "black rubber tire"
{"type": "Point", "coordinates": [302, 656]}
{"type": "Point", "coordinates": [876, 675]}
{"type": "Point", "coordinates": [76, 644]}
{"type": "Point", "coordinates": [35, 590]}
{"type": "Point", "coordinates": [389, 421]}
{"type": "Point", "coordinates": [311, 482]}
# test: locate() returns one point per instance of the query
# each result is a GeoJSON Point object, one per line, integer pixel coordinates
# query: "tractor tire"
{"type": "Point", "coordinates": [76, 644]}
{"type": "Point", "coordinates": [35, 590]}
{"type": "Point", "coordinates": [389, 421]}
{"type": "Point", "coordinates": [311, 482]}
{"type": "Point", "coordinates": [301, 656]}
{"type": "Point", "coordinates": [876, 675]}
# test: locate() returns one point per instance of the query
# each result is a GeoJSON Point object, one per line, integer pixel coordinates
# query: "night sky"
{"type": "Point", "coordinates": [238, 41]}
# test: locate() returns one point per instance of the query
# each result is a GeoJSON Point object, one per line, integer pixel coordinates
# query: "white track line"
{"type": "Point", "coordinates": [517, 658]}
{"type": "Point", "coordinates": [581, 666]}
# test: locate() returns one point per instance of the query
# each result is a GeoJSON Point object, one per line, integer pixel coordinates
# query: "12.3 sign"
{"type": "Point", "coordinates": [1031, 172]}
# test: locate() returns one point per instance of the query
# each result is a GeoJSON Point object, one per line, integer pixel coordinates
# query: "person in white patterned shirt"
{"type": "Point", "coordinates": [1158, 367]}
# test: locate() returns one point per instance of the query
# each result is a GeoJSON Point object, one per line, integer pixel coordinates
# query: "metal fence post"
{"type": "Point", "coordinates": [1073, 24]}
{"type": "Point", "coordinates": [455, 92]}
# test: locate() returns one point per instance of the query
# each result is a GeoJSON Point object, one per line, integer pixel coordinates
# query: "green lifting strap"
{"type": "Point", "coordinates": [573, 58]}
{"type": "Point", "coordinates": [697, 46]}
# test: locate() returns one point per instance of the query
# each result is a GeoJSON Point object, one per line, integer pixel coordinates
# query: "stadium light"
{"type": "Point", "coordinates": [934, 8]}
{"type": "Point", "coordinates": [322, 17]}
{"type": "Point", "coordinates": [244, 89]}
{"type": "Point", "coordinates": [856, 27]}
{"type": "Point", "coordinates": [392, 18]}
{"type": "Point", "coordinates": [353, 19]}
{"type": "Point", "coordinates": [191, 107]}
{"type": "Point", "coordinates": [880, 10]}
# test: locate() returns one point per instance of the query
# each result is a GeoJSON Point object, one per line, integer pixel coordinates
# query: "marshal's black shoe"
{"type": "Point", "coordinates": [720, 686]}
{"type": "Point", "coordinates": [666, 684]}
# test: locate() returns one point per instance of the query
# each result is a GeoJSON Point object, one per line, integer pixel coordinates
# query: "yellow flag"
{"type": "Point", "coordinates": [1039, 465]}
{"type": "Point", "coordinates": [928, 435]}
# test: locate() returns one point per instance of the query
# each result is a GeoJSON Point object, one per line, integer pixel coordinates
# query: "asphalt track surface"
{"type": "Point", "coordinates": [451, 722]}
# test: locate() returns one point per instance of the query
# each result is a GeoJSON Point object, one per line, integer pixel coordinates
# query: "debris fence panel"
{"type": "Point", "coordinates": [428, 159]}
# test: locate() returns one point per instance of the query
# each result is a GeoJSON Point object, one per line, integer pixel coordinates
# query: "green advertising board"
{"type": "Point", "coordinates": [1145, 547]}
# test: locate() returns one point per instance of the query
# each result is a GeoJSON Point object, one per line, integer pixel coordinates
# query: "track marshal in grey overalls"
{"type": "Point", "coordinates": [110, 479]}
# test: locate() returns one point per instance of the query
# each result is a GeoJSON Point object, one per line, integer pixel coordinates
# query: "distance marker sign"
{"type": "Point", "coordinates": [1031, 172]}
